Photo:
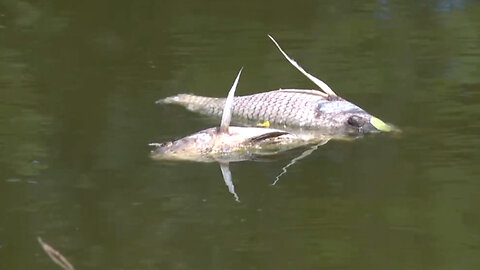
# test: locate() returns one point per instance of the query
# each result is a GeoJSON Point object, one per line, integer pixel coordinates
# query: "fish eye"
{"type": "Point", "coordinates": [355, 121]}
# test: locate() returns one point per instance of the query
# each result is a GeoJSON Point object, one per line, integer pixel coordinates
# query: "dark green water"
{"type": "Point", "coordinates": [78, 81]}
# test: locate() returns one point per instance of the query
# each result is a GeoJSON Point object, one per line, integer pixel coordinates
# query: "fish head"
{"type": "Point", "coordinates": [345, 117]}
{"type": "Point", "coordinates": [193, 148]}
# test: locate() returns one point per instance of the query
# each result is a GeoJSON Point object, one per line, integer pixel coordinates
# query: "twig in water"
{"type": "Point", "coordinates": [55, 255]}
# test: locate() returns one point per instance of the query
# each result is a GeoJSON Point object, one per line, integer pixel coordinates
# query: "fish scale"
{"type": "Point", "coordinates": [290, 109]}
{"type": "Point", "coordinates": [280, 107]}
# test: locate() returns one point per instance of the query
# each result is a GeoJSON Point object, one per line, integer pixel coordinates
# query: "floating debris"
{"type": "Point", "coordinates": [55, 255]}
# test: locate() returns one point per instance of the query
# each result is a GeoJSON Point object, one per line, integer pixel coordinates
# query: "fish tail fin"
{"type": "Point", "coordinates": [178, 99]}
{"type": "Point", "coordinates": [207, 105]}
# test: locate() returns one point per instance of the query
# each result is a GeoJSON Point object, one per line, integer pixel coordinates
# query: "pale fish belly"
{"type": "Point", "coordinates": [239, 143]}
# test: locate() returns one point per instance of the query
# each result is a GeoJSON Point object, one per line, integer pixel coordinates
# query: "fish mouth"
{"type": "Point", "coordinates": [377, 125]}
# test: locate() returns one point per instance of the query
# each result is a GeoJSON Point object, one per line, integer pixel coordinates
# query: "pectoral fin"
{"type": "Point", "coordinates": [227, 109]}
{"type": "Point", "coordinates": [325, 88]}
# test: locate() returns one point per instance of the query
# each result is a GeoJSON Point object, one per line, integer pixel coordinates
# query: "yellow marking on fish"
{"type": "Point", "coordinates": [380, 125]}
{"type": "Point", "coordinates": [264, 124]}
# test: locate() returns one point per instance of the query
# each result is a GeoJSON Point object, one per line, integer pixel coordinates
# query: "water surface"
{"type": "Point", "coordinates": [78, 81]}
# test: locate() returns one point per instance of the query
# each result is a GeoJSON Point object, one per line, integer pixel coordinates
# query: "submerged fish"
{"type": "Point", "coordinates": [291, 109]}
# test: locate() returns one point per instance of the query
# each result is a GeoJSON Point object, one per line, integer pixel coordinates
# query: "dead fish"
{"type": "Point", "coordinates": [227, 143]}
{"type": "Point", "coordinates": [291, 109]}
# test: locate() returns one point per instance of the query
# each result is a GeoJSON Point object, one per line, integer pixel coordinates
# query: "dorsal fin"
{"type": "Point", "coordinates": [325, 88]}
{"type": "Point", "coordinates": [227, 109]}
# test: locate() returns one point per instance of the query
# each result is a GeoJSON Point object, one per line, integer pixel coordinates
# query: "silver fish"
{"type": "Point", "coordinates": [227, 143]}
{"type": "Point", "coordinates": [291, 109]}
{"type": "Point", "coordinates": [240, 143]}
